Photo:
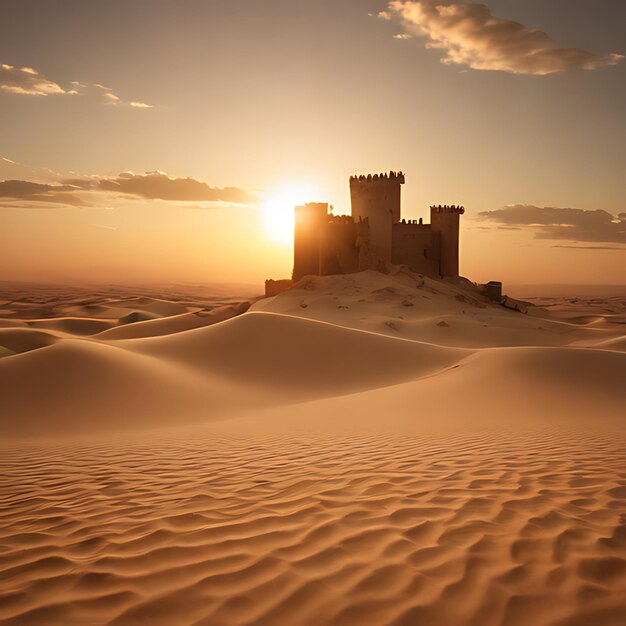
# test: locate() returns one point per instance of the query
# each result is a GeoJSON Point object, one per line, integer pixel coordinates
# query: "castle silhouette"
{"type": "Point", "coordinates": [374, 236]}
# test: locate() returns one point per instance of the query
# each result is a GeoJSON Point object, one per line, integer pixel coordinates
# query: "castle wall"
{"type": "Point", "coordinates": [417, 247]}
{"type": "Point", "coordinates": [445, 221]}
{"type": "Point", "coordinates": [377, 200]}
{"type": "Point", "coordinates": [274, 287]}
{"type": "Point", "coordinates": [363, 244]}
{"type": "Point", "coordinates": [309, 222]}
{"type": "Point", "coordinates": [339, 253]}
{"type": "Point", "coordinates": [493, 290]}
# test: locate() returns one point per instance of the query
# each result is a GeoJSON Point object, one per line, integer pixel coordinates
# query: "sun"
{"type": "Point", "coordinates": [277, 211]}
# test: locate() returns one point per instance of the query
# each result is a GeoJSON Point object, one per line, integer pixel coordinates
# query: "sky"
{"type": "Point", "coordinates": [162, 140]}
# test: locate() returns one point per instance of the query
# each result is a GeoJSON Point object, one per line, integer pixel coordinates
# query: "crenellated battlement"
{"type": "Point", "coordinates": [405, 222]}
{"type": "Point", "coordinates": [340, 219]}
{"type": "Point", "coordinates": [447, 208]}
{"type": "Point", "coordinates": [392, 177]}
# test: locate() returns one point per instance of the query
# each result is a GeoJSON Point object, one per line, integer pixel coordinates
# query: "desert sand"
{"type": "Point", "coordinates": [365, 449]}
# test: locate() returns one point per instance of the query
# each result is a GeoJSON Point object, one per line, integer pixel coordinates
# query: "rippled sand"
{"type": "Point", "coordinates": [325, 530]}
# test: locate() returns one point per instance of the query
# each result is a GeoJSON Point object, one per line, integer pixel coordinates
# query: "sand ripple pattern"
{"type": "Point", "coordinates": [474, 529]}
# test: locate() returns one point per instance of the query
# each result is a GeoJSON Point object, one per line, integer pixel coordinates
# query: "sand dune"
{"type": "Point", "coordinates": [24, 339]}
{"type": "Point", "coordinates": [616, 343]}
{"type": "Point", "coordinates": [88, 311]}
{"type": "Point", "coordinates": [155, 306]}
{"type": "Point", "coordinates": [519, 389]}
{"type": "Point", "coordinates": [287, 353]}
{"type": "Point", "coordinates": [263, 359]}
{"type": "Point", "coordinates": [367, 449]}
{"type": "Point", "coordinates": [606, 311]}
{"type": "Point", "coordinates": [12, 323]}
{"type": "Point", "coordinates": [116, 389]}
{"type": "Point", "coordinates": [73, 325]}
{"type": "Point", "coordinates": [174, 323]}
{"type": "Point", "coordinates": [254, 360]}
{"type": "Point", "coordinates": [139, 316]}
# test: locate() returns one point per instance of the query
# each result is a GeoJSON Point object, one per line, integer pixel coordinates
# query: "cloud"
{"type": "Point", "coordinates": [591, 247]}
{"type": "Point", "coordinates": [97, 191]}
{"type": "Point", "coordinates": [32, 192]}
{"type": "Point", "coordinates": [161, 186]}
{"type": "Point", "coordinates": [23, 188]}
{"type": "Point", "coordinates": [106, 95]}
{"type": "Point", "coordinates": [470, 35]}
{"type": "Point", "coordinates": [26, 81]}
{"type": "Point", "coordinates": [576, 225]}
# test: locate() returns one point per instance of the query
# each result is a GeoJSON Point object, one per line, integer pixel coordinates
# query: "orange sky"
{"type": "Point", "coordinates": [251, 106]}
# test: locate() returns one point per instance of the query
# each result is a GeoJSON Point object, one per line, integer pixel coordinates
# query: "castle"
{"type": "Point", "coordinates": [375, 236]}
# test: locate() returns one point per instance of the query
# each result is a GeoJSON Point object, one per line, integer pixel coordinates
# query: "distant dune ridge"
{"type": "Point", "coordinates": [363, 449]}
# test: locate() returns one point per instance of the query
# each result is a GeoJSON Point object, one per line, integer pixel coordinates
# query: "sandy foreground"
{"type": "Point", "coordinates": [361, 449]}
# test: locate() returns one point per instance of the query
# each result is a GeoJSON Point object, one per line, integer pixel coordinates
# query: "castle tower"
{"type": "Point", "coordinates": [445, 225]}
{"type": "Point", "coordinates": [309, 223]}
{"type": "Point", "coordinates": [377, 199]}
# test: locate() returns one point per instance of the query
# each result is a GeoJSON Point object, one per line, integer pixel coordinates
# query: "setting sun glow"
{"type": "Point", "coordinates": [277, 211]}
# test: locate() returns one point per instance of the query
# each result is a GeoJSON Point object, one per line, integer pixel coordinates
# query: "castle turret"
{"type": "Point", "coordinates": [445, 225]}
{"type": "Point", "coordinates": [309, 223]}
{"type": "Point", "coordinates": [376, 198]}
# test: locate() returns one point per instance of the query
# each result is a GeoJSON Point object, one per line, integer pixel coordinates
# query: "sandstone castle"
{"type": "Point", "coordinates": [374, 236]}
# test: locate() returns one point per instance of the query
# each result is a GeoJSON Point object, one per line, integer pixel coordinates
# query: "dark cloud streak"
{"type": "Point", "coordinates": [149, 186]}
{"type": "Point", "coordinates": [576, 225]}
{"type": "Point", "coordinates": [591, 247]}
{"type": "Point", "coordinates": [54, 194]}
{"type": "Point", "coordinates": [160, 186]}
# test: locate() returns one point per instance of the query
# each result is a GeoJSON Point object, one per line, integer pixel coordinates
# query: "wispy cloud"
{"type": "Point", "coordinates": [101, 192]}
{"type": "Point", "coordinates": [106, 95]}
{"type": "Point", "coordinates": [35, 193]}
{"type": "Point", "coordinates": [470, 35]}
{"type": "Point", "coordinates": [621, 249]}
{"type": "Point", "coordinates": [577, 225]}
{"type": "Point", "coordinates": [26, 81]}
{"type": "Point", "coordinates": [161, 186]}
